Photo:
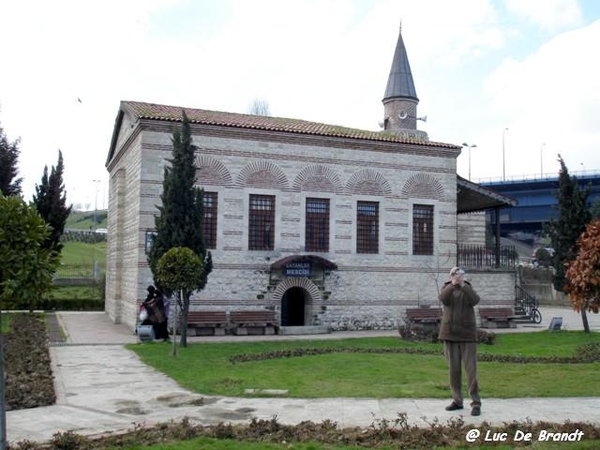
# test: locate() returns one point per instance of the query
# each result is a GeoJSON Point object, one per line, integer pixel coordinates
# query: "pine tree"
{"type": "Point", "coordinates": [572, 217]}
{"type": "Point", "coordinates": [51, 203]}
{"type": "Point", "coordinates": [179, 223]}
{"type": "Point", "coordinates": [9, 157]}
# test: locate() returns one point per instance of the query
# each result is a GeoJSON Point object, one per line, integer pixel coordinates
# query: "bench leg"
{"type": "Point", "coordinates": [219, 331]}
{"type": "Point", "coordinates": [240, 331]}
{"type": "Point", "coordinates": [269, 330]}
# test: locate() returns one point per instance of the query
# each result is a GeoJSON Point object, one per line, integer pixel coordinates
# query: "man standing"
{"type": "Point", "coordinates": [459, 333]}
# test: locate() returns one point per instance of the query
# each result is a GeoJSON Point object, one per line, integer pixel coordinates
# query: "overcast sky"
{"type": "Point", "coordinates": [479, 66]}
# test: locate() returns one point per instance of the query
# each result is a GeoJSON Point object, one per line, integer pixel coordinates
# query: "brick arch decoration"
{"type": "Point", "coordinates": [318, 178]}
{"type": "Point", "coordinates": [423, 185]}
{"type": "Point", "coordinates": [211, 171]}
{"type": "Point", "coordinates": [368, 182]}
{"type": "Point", "coordinates": [262, 174]}
{"type": "Point", "coordinates": [303, 283]}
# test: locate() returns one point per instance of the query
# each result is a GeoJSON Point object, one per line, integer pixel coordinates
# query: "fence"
{"type": "Point", "coordinates": [482, 257]}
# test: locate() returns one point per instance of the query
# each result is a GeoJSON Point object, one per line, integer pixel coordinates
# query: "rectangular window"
{"type": "Point", "coordinates": [422, 230]}
{"type": "Point", "coordinates": [317, 225]}
{"type": "Point", "coordinates": [367, 227]}
{"type": "Point", "coordinates": [209, 221]}
{"type": "Point", "coordinates": [261, 224]}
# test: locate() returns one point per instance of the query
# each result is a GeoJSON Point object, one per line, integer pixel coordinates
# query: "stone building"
{"type": "Point", "coordinates": [326, 225]}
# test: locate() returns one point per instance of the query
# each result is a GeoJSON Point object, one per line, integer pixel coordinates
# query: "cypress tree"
{"type": "Point", "coordinates": [50, 200]}
{"type": "Point", "coordinates": [572, 217]}
{"type": "Point", "coordinates": [9, 157]}
{"type": "Point", "coordinates": [179, 222]}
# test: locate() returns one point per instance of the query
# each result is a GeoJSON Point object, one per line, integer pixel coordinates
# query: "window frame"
{"type": "Point", "coordinates": [261, 238]}
{"type": "Point", "coordinates": [318, 223]}
{"type": "Point", "coordinates": [365, 242]}
{"type": "Point", "coordinates": [210, 219]}
{"type": "Point", "coordinates": [423, 239]}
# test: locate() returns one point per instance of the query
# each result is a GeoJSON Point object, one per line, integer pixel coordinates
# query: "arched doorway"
{"type": "Point", "coordinates": [293, 307]}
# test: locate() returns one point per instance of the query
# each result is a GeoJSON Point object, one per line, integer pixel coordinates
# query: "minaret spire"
{"type": "Point", "coordinates": [400, 99]}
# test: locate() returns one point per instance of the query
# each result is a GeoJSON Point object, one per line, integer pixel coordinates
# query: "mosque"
{"type": "Point", "coordinates": [325, 225]}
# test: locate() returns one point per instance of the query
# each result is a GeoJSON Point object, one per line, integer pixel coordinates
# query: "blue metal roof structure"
{"type": "Point", "coordinates": [536, 199]}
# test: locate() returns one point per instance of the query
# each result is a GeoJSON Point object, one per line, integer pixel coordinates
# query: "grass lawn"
{"type": "Point", "coordinates": [83, 253]}
{"type": "Point", "coordinates": [206, 368]}
{"type": "Point", "coordinates": [230, 444]}
{"type": "Point", "coordinates": [5, 326]}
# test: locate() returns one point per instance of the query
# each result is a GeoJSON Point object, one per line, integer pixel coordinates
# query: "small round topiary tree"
{"type": "Point", "coordinates": [181, 271]}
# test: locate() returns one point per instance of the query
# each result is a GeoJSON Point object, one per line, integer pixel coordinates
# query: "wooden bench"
{"type": "Point", "coordinates": [206, 323]}
{"type": "Point", "coordinates": [427, 317]}
{"type": "Point", "coordinates": [497, 318]}
{"type": "Point", "coordinates": [253, 322]}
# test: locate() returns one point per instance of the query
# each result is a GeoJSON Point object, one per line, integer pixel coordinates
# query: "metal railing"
{"type": "Point", "coordinates": [483, 257]}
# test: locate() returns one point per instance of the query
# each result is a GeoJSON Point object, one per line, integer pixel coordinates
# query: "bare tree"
{"type": "Point", "coordinates": [260, 107]}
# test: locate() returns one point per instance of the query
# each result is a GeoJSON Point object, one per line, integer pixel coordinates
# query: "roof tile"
{"type": "Point", "coordinates": [154, 111]}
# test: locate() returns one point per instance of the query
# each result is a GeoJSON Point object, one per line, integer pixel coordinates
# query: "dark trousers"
{"type": "Point", "coordinates": [456, 354]}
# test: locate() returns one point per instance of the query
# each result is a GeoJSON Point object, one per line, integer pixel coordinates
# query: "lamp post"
{"type": "Point", "coordinates": [503, 155]}
{"type": "Point", "coordinates": [542, 160]}
{"type": "Point", "coordinates": [469, 147]}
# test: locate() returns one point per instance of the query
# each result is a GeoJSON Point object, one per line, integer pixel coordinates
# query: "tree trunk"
{"type": "Point", "coordinates": [185, 307]}
{"type": "Point", "coordinates": [586, 325]}
{"type": "Point", "coordinates": [175, 320]}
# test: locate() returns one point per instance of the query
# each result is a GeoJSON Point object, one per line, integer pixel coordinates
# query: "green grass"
{"type": "Point", "coordinates": [82, 253]}
{"type": "Point", "coordinates": [5, 328]}
{"type": "Point", "coordinates": [91, 292]}
{"type": "Point", "coordinates": [83, 220]}
{"type": "Point", "coordinates": [205, 443]}
{"type": "Point", "coordinates": [207, 369]}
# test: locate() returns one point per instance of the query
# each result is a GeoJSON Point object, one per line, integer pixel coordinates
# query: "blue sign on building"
{"type": "Point", "coordinates": [298, 269]}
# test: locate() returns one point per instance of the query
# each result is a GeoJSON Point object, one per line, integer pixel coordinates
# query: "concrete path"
{"type": "Point", "coordinates": [103, 388]}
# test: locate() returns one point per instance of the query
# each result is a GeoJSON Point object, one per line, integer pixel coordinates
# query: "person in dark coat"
{"type": "Point", "coordinates": [458, 330]}
{"type": "Point", "coordinates": [156, 313]}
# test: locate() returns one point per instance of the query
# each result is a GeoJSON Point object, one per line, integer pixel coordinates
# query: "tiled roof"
{"type": "Point", "coordinates": [174, 113]}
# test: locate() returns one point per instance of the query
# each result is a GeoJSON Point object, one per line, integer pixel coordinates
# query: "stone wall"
{"type": "Point", "coordinates": [471, 228]}
{"type": "Point", "coordinates": [365, 291]}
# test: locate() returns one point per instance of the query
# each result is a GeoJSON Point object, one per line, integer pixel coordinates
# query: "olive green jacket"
{"type": "Point", "coordinates": [458, 319]}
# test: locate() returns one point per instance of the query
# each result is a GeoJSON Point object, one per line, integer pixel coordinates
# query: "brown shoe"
{"type": "Point", "coordinates": [453, 407]}
{"type": "Point", "coordinates": [476, 410]}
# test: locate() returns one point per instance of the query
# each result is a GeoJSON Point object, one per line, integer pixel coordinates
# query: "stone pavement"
{"type": "Point", "coordinates": [103, 388]}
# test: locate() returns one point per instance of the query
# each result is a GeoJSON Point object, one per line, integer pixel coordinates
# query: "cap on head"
{"type": "Point", "coordinates": [456, 271]}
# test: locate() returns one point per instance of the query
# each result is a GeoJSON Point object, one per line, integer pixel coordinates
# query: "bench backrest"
{"type": "Point", "coordinates": [423, 313]}
{"type": "Point", "coordinates": [495, 312]}
{"type": "Point", "coordinates": [207, 316]}
{"type": "Point", "coordinates": [252, 316]}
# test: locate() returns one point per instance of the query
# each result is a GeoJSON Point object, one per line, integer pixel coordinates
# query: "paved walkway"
{"type": "Point", "coordinates": [103, 388]}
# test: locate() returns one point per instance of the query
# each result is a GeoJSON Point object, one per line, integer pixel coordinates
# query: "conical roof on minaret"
{"type": "Point", "coordinates": [400, 82]}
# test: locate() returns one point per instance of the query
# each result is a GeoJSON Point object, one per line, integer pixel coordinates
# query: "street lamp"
{"type": "Point", "coordinates": [469, 147]}
{"type": "Point", "coordinates": [503, 156]}
{"type": "Point", "coordinates": [542, 160]}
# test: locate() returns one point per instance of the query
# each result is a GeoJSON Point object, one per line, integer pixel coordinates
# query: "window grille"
{"type": "Point", "coordinates": [209, 221]}
{"type": "Point", "coordinates": [261, 225]}
{"type": "Point", "coordinates": [367, 227]}
{"type": "Point", "coordinates": [422, 230]}
{"type": "Point", "coordinates": [317, 225]}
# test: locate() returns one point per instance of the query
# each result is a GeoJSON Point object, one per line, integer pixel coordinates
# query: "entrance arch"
{"type": "Point", "coordinates": [296, 297]}
{"type": "Point", "coordinates": [293, 307]}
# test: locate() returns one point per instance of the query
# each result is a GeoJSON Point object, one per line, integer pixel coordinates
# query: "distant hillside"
{"type": "Point", "coordinates": [84, 220]}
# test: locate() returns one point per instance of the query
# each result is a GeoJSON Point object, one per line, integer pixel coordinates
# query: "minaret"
{"type": "Point", "coordinates": [400, 99]}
